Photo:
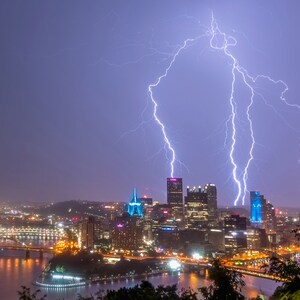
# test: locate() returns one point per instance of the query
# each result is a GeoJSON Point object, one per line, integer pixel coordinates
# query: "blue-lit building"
{"type": "Point", "coordinates": [258, 208]}
{"type": "Point", "coordinates": [135, 206]}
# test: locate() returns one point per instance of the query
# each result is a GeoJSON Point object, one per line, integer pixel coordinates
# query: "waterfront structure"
{"type": "Point", "coordinates": [235, 233]}
{"type": "Point", "coordinates": [196, 208]}
{"type": "Point", "coordinates": [175, 196]}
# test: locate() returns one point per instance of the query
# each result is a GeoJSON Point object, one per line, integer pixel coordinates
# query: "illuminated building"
{"type": "Point", "coordinates": [167, 237]}
{"type": "Point", "coordinates": [235, 233]}
{"type": "Point", "coordinates": [147, 209]}
{"type": "Point", "coordinates": [216, 237]}
{"type": "Point", "coordinates": [159, 214]}
{"type": "Point", "coordinates": [194, 241]}
{"type": "Point", "coordinates": [87, 233]}
{"type": "Point", "coordinates": [270, 217]}
{"type": "Point", "coordinates": [175, 196]}
{"type": "Point", "coordinates": [127, 232]}
{"type": "Point", "coordinates": [135, 206]}
{"type": "Point", "coordinates": [256, 238]}
{"type": "Point", "coordinates": [102, 233]}
{"type": "Point", "coordinates": [196, 208]}
{"type": "Point", "coordinates": [211, 191]}
{"type": "Point", "coordinates": [146, 201]}
{"type": "Point", "coordinates": [257, 209]}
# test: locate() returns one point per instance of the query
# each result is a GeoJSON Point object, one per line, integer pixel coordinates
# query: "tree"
{"type": "Point", "coordinates": [144, 291]}
{"type": "Point", "coordinates": [296, 232]}
{"type": "Point", "coordinates": [226, 284]}
{"type": "Point", "coordinates": [289, 271]}
{"type": "Point", "coordinates": [25, 294]}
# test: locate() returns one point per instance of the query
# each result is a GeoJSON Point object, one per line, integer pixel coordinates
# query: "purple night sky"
{"type": "Point", "coordinates": [74, 81]}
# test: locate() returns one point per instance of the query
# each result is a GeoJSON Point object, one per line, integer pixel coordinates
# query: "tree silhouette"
{"type": "Point", "coordinates": [145, 291]}
{"type": "Point", "coordinates": [25, 294]}
{"type": "Point", "coordinates": [226, 284]}
{"type": "Point", "coordinates": [289, 271]}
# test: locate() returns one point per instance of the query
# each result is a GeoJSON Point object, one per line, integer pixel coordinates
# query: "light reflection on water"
{"type": "Point", "coordinates": [16, 271]}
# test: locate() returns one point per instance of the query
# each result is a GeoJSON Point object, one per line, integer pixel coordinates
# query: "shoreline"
{"type": "Point", "coordinates": [95, 281]}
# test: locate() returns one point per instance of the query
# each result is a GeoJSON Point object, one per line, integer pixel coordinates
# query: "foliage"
{"type": "Point", "coordinates": [145, 291]}
{"type": "Point", "coordinates": [60, 269]}
{"type": "Point", "coordinates": [226, 284]}
{"type": "Point", "coordinates": [79, 263]}
{"type": "Point", "coordinates": [25, 294]}
{"type": "Point", "coordinates": [296, 231]}
{"type": "Point", "coordinates": [86, 264]}
{"type": "Point", "coordinates": [288, 270]}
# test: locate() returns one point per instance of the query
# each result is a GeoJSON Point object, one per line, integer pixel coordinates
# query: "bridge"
{"type": "Point", "coordinates": [256, 273]}
{"type": "Point", "coordinates": [11, 243]}
{"type": "Point", "coordinates": [32, 232]}
{"type": "Point", "coordinates": [256, 259]}
{"type": "Point", "coordinates": [19, 238]}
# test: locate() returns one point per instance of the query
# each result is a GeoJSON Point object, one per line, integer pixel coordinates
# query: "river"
{"type": "Point", "coordinates": [16, 271]}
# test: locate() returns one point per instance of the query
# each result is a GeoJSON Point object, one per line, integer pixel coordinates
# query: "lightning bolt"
{"type": "Point", "coordinates": [167, 142]}
{"type": "Point", "coordinates": [222, 42]}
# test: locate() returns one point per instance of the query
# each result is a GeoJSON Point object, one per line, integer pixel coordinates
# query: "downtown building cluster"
{"type": "Point", "coordinates": [188, 223]}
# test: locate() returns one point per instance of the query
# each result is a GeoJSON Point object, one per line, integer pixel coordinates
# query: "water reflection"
{"type": "Point", "coordinates": [16, 271]}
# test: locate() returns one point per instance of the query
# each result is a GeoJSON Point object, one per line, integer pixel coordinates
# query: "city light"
{"type": "Point", "coordinates": [66, 277]}
{"type": "Point", "coordinates": [174, 265]}
{"type": "Point", "coordinates": [197, 256]}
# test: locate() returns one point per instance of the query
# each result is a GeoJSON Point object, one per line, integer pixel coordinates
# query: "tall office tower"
{"type": "Point", "coordinates": [148, 222]}
{"type": "Point", "coordinates": [87, 233]}
{"type": "Point", "coordinates": [211, 191]}
{"type": "Point", "coordinates": [175, 196]}
{"type": "Point", "coordinates": [270, 217]}
{"type": "Point", "coordinates": [235, 233]}
{"type": "Point", "coordinates": [196, 208]}
{"type": "Point", "coordinates": [258, 209]}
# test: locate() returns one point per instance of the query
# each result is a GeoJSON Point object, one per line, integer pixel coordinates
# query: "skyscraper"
{"type": "Point", "coordinates": [211, 191]}
{"type": "Point", "coordinates": [258, 207]}
{"type": "Point", "coordinates": [175, 196]}
{"type": "Point", "coordinates": [196, 208]}
{"type": "Point", "coordinates": [270, 217]}
{"type": "Point", "coordinates": [235, 233]}
{"type": "Point", "coordinates": [135, 206]}
{"type": "Point", "coordinates": [87, 233]}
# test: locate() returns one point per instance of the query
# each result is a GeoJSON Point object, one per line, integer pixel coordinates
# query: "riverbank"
{"type": "Point", "coordinates": [15, 271]}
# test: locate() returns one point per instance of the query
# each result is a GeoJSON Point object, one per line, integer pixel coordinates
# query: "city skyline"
{"type": "Point", "coordinates": [76, 117]}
